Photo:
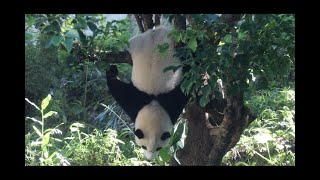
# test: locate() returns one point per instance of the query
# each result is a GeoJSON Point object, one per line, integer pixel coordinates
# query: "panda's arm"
{"type": "Point", "coordinates": [130, 99]}
{"type": "Point", "coordinates": [173, 102]}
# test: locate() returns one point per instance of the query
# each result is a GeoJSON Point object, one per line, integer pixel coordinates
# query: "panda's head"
{"type": "Point", "coordinates": [152, 129]}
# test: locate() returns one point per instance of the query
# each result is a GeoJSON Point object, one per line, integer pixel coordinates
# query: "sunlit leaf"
{"type": "Point", "coordinates": [192, 44]}
{"type": "Point", "coordinates": [32, 103]}
{"type": "Point", "coordinates": [45, 139]}
{"type": "Point", "coordinates": [37, 131]}
{"type": "Point", "coordinates": [73, 34]}
{"type": "Point", "coordinates": [82, 22]}
{"type": "Point", "coordinates": [46, 154]}
{"type": "Point", "coordinates": [263, 138]}
{"type": "Point", "coordinates": [36, 143]}
{"type": "Point", "coordinates": [35, 120]}
{"type": "Point", "coordinates": [45, 102]}
{"type": "Point", "coordinates": [164, 153]}
{"type": "Point", "coordinates": [50, 113]}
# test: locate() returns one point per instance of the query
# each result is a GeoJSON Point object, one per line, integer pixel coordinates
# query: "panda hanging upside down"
{"type": "Point", "coordinates": [153, 99]}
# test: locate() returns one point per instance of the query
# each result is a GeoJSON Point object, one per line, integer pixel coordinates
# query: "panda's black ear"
{"type": "Point", "coordinates": [165, 136]}
{"type": "Point", "coordinates": [139, 133]}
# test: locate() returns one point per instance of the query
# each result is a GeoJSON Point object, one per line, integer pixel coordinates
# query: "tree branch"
{"type": "Point", "coordinates": [180, 24]}
{"type": "Point", "coordinates": [157, 19]}
{"type": "Point", "coordinates": [147, 21]}
{"type": "Point", "coordinates": [139, 22]}
{"type": "Point", "coordinates": [119, 57]}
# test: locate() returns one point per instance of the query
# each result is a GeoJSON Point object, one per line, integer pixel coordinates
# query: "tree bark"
{"type": "Point", "coordinates": [157, 18]}
{"type": "Point", "coordinates": [139, 22]}
{"type": "Point", "coordinates": [195, 151]}
{"type": "Point", "coordinates": [120, 57]}
{"type": "Point", "coordinates": [147, 21]}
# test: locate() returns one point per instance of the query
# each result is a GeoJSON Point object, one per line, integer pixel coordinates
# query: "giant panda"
{"type": "Point", "coordinates": [153, 99]}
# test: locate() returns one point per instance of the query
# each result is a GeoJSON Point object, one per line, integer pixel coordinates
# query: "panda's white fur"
{"type": "Point", "coordinates": [148, 76]}
{"type": "Point", "coordinates": [148, 65]}
{"type": "Point", "coordinates": [153, 120]}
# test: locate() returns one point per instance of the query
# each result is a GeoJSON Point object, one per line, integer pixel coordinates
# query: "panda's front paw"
{"type": "Point", "coordinates": [112, 72]}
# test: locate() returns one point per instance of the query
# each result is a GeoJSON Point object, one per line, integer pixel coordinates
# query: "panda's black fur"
{"type": "Point", "coordinates": [132, 100]}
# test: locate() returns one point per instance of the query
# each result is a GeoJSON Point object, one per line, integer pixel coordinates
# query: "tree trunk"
{"type": "Point", "coordinates": [198, 143]}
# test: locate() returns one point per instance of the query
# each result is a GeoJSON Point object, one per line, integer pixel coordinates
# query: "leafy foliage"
{"type": "Point", "coordinates": [270, 140]}
{"type": "Point", "coordinates": [81, 125]}
{"type": "Point", "coordinates": [257, 46]}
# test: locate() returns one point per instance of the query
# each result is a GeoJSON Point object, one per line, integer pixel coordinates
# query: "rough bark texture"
{"type": "Point", "coordinates": [139, 22]}
{"type": "Point", "coordinates": [147, 21]}
{"type": "Point", "coordinates": [195, 151]}
{"type": "Point", "coordinates": [229, 130]}
{"type": "Point", "coordinates": [157, 19]}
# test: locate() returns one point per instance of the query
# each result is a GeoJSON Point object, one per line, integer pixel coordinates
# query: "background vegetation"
{"type": "Point", "coordinates": [72, 120]}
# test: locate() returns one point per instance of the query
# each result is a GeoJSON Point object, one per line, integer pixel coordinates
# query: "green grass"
{"type": "Point", "coordinates": [270, 139]}
{"type": "Point", "coordinates": [50, 141]}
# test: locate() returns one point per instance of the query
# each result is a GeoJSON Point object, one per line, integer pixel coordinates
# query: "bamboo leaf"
{"type": "Point", "coordinates": [37, 131]}
{"type": "Point", "coordinates": [32, 103]}
{"type": "Point", "coordinates": [45, 102]}
{"type": "Point", "coordinates": [35, 120]}
{"type": "Point", "coordinates": [50, 113]}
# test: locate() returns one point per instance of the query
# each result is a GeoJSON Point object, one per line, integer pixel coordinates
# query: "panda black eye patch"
{"type": "Point", "coordinates": [139, 133]}
{"type": "Point", "coordinates": [165, 136]}
{"type": "Point", "coordinates": [158, 148]}
{"type": "Point", "coordinates": [143, 147]}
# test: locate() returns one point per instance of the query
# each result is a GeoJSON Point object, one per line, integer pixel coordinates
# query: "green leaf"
{"type": "Point", "coordinates": [28, 36]}
{"type": "Point", "coordinates": [177, 134]}
{"type": "Point", "coordinates": [187, 85]}
{"type": "Point", "coordinates": [32, 103]}
{"type": "Point", "coordinates": [92, 26]}
{"type": "Point", "coordinates": [204, 101]}
{"type": "Point", "coordinates": [29, 20]}
{"type": "Point", "coordinates": [50, 113]}
{"type": "Point", "coordinates": [68, 44]}
{"type": "Point", "coordinates": [37, 131]}
{"type": "Point", "coordinates": [56, 40]}
{"type": "Point", "coordinates": [206, 90]}
{"type": "Point", "coordinates": [227, 39]}
{"type": "Point", "coordinates": [164, 153]}
{"type": "Point", "coordinates": [83, 38]}
{"type": "Point", "coordinates": [48, 44]}
{"type": "Point", "coordinates": [52, 155]}
{"type": "Point", "coordinates": [45, 102]}
{"type": "Point", "coordinates": [73, 34]}
{"type": "Point", "coordinates": [192, 44]}
{"type": "Point", "coordinates": [46, 153]}
{"type": "Point", "coordinates": [45, 139]}
{"type": "Point", "coordinates": [35, 120]}
{"type": "Point", "coordinates": [82, 22]}
{"type": "Point", "coordinates": [47, 28]}
{"type": "Point", "coordinates": [36, 143]}
{"type": "Point", "coordinates": [56, 26]}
